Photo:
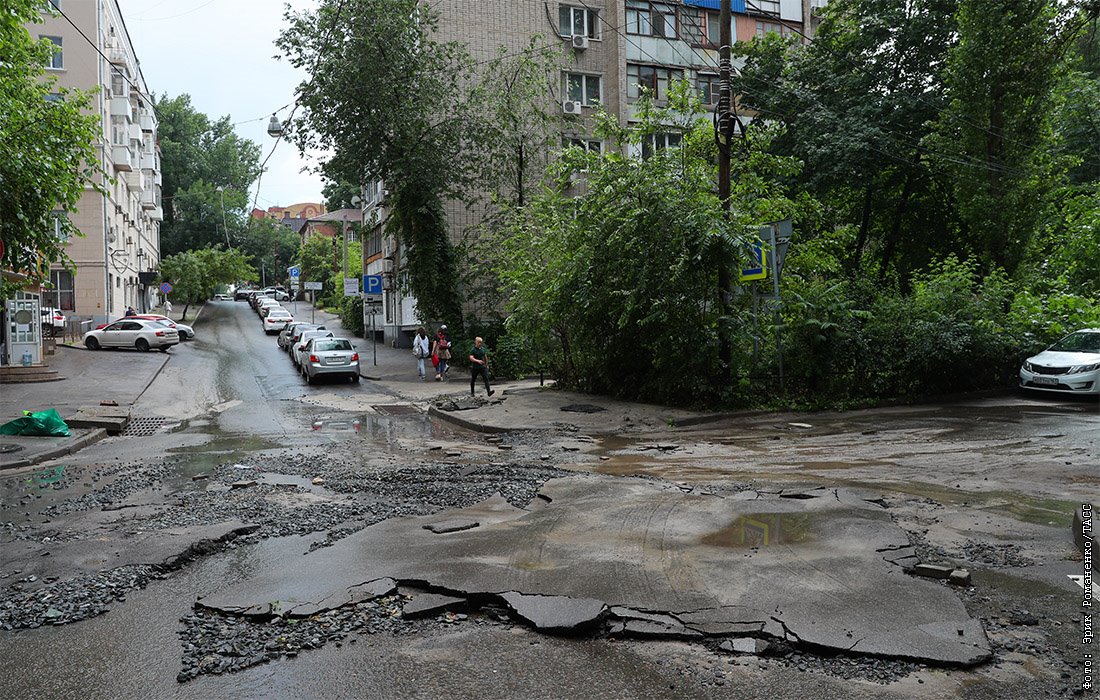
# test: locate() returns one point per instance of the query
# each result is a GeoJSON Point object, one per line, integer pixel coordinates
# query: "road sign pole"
{"type": "Point", "coordinates": [374, 338]}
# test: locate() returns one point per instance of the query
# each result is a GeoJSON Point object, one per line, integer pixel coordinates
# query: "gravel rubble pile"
{"type": "Point", "coordinates": [61, 602]}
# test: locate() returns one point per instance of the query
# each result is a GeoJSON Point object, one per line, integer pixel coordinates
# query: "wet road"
{"type": "Point", "coordinates": [992, 477]}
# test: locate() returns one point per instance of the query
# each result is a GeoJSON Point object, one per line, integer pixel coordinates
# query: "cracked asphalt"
{"type": "Point", "coordinates": [279, 540]}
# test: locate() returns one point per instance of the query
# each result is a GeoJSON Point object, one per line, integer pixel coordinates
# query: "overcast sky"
{"type": "Point", "coordinates": [220, 52]}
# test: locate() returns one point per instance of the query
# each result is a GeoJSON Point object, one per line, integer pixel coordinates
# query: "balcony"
{"type": "Point", "coordinates": [122, 158]}
{"type": "Point", "coordinates": [135, 133]}
{"type": "Point", "coordinates": [149, 198]}
{"type": "Point", "coordinates": [148, 161]}
{"type": "Point", "coordinates": [156, 214]}
{"type": "Point", "coordinates": [148, 122]}
{"type": "Point", "coordinates": [120, 107]}
{"type": "Point", "coordinates": [135, 180]}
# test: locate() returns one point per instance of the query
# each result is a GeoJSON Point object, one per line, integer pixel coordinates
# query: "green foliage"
{"type": "Point", "coordinates": [269, 245]}
{"type": "Point", "coordinates": [49, 147]}
{"type": "Point", "coordinates": [351, 314]}
{"type": "Point", "coordinates": [198, 155]}
{"type": "Point", "coordinates": [195, 275]}
{"type": "Point", "coordinates": [318, 260]}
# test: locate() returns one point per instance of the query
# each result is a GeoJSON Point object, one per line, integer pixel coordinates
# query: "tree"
{"type": "Point", "coordinates": [318, 262]}
{"type": "Point", "coordinates": [49, 138]}
{"type": "Point", "coordinates": [197, 156]}
{"type": "Point", "coordinates": [269, 246]}
{"type": "Point", "coordinates": [857, 104]}
{"type": "Point", "coordinates": [995, 133]}
{"type": "Point", "coordinates": [195, 275]}
{"type": "Point", "coordinates": [390, 102]}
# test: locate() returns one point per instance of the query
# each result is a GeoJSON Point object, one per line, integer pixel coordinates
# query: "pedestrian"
{"type": "Point", "coordinates": [130, 311]}
{"type": "Point", "coordinates": [421, 351]}
{"type": "Point", "coordinates": [479, 366]}
{"type": "Point", "coordinates": [441, 349]}
{"type": "Point", "coordinates": [167, 307]}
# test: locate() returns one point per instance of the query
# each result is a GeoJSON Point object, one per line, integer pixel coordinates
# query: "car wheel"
{"type": "Point", "coordinates": [309, 378]}
{"type": "Point", "coordinates": [164, 350]}
{"type": "Point", "coordinates": [355, 379]}
{"type": "Point", "coordinates": [142, 344]}
{"type": "Point", "coordinates": [91, 344]}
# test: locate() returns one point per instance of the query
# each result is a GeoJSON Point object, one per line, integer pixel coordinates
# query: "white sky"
{"type": "Point", "coordinates": [220, 52]}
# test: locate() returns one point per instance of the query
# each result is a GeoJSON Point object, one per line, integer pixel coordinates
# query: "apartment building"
{"type": "Point", "coordinates": [116, 260]}
{"type": "Point", "coordinates": [613, 49]}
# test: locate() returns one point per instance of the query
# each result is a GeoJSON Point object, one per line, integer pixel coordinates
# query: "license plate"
{"type": "Point", "coordinates": [1045, 381]}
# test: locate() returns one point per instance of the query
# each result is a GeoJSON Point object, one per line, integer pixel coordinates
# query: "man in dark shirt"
{"type": "Point", "coordinates": [479, 366]}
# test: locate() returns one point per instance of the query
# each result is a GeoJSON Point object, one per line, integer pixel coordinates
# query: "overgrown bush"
{"type": "Point", "coordinates": [351, 314]}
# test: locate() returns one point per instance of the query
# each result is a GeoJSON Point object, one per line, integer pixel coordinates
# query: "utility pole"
{"type": "Point", "coordinates": [725, 100]}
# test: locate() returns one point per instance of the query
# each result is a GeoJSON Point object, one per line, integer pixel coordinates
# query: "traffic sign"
{"type": "Point", "coordinates": [372, 284]}
{"type": "Point", "coordinates": [165, 287]}
{"type": "Point", "coordinates": [351, 286]}
{"type": "Point", "coordinates": [758, 268]}
{"type": "Point", "coordinates": [295, 273]}
{"type": "Point", "coordinates": [316, 286]}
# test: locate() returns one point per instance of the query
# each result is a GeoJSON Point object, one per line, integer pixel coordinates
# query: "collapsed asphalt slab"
{"type": "Point", "coordinates": [819, 569]}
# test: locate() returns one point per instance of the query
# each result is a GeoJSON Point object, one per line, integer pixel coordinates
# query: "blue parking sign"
{"type": "Point", "coordinates": [295, 272]}
{"type": "Point", "coordinates": [372, 284]}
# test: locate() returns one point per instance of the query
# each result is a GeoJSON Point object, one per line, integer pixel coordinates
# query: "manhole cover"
{"type": "Point", "coordinates": [144, 426]}
{"type": "Point", "coordinates": [400, 409]}
{"type": "Point", "coordinates": [8, 448]}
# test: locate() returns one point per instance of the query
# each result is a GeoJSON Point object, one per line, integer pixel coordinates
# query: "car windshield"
{"type": "Point", "coordinates": [1081, 341]}
{"type": "Point", "coordinates": [339, 344]}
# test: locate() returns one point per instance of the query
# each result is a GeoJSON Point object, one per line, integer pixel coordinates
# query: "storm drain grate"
{"type": "Point", "coordinates": [144, 426]}
{"type": "Point", "coordinates": [399, 409]}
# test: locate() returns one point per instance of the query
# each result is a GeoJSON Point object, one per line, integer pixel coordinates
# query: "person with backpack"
{"type": "Point", "coordinates": [479, 366]}
{"type": "Point", "coordinates": [441, 350]}
{"type": "Point", "coordinates": [421, 351]}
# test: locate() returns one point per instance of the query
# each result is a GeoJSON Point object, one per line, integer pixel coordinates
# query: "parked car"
{"type": "Point", "coordinates": [296, 349]}
{"type": "Point", "coordinates": [277, 293]}
{"type": "Point", "coordinates": [267, 305]}
{"type": "Point", "coordinates": [1070, 366]}
{"type": "Point", "coordinates": [293, 333]}
{"type": "Point", "coordinates": [329, 357]}
{"type": "Point", "coordinates": [255, 297]}
{"type": "Point", "coordinates": [276, 320]}
{"type": "Point", "coordinates": [242, 294]}
{"type": "Point", "coordinates": [186, 332]}
{"type": "Point", "coordinates": [140, 333]}
{"type": "Point", "coordinates": [53, 321]}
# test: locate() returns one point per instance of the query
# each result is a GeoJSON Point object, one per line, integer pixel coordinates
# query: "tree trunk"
{"type": "Point", "coordinates": [864, 226]}
{"type": "Point", "coordinates": [899, 214]}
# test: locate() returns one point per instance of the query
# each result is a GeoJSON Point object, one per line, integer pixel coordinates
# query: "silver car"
{"type": "Point", "coordinates": [325, 357]}
{"type": "Point", "coordinates": [289, 335]}
{"type": "Point", "coordinates": [296, 349]}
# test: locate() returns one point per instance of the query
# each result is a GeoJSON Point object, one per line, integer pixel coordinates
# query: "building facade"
{"type": "Point", "coordinates": [117, 258]}
{"type": "Point", "coordinates": [614, 49]}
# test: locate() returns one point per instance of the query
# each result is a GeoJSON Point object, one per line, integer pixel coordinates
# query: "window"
{"type": "Point", "coordinates": [120, 131]}
{"type": "Point", "coordinates": [764, 7]}
{"type": "Point", "coordinates": [709, 86]}
{"type": "Point", "coordinates": [60, 295]}
{"type": "Point", "coordinates": [594, 145]}
{"type": "Point", "coordinates": [763, 28]}
{"type": "Point", "coordinates": [56, 60]}
{"type": "Point", "coordinates": [655, 78]}
{"type": "Point", "coordinates": [701, 27]}
{"type": "Point", "coordinates": [120, 87]}
{"type": "Point", "coordinates": [374, 243]}
{"type": "Point", "coordinates": [650, 19]}
{"type": "Point", "coordinates": [654, 142]}
{"type": "Point", "coordinates": [582, 88]}
{"type": "Point", "coordinates": [578, 21]}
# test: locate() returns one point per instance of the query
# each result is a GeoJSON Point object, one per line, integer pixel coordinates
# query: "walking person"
{"type": "Point", "coordinates": [479, 366]}
{"type": "Point", "coordinates": [130, 311]}
{"type": "Point", "coordinates": [441, 349]}
{"type": "Point", "coordinates": [167, 307]}
{"type": "Point", "coordinates": [421, 351]}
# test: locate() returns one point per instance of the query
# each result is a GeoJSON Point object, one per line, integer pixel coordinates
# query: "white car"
{"type": "Point", "coordinates": [53, 321]}
{"type": "Point", "coordinates": [142, 334]}
{"type": "Point", "coordinates": [276, 320]}
{"type": "Point", "coordinates": [296, 350]}
{"type": "Point", "coordinates": [1070, 366]}
{"type": "Point", "coordinates": [186, 332]}
{"type": "Point", "coordinates": [266, 303]}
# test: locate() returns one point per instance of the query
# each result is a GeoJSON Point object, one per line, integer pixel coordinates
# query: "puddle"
{"type": "Point", "coordinates": [762, 530]}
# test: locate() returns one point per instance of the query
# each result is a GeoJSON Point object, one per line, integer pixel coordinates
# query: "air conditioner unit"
{"type": "Point", "coordinates": [571, 107]}
{"type": "Point", "coordinates": [580, 42]}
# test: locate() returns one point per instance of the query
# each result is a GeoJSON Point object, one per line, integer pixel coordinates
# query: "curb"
{"type": "Point", "coordinates": [92, 437]}
{"type": "Point", "coordinates": [450, 417]}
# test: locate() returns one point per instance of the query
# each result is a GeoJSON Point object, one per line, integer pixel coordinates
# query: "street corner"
{"type": "Point", "coordinates": [18, 451]}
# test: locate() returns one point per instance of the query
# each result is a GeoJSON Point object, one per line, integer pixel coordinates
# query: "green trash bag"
{"type": "Point", "coordinates": [48, 422]}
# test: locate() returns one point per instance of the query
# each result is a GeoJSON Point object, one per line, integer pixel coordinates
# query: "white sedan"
{"type": "Point", "coordinates": [1070, 366]}
{"type": "Point", "coordinates": [142, 334]}
{"type": "Point", "coordinates": [276, 320]}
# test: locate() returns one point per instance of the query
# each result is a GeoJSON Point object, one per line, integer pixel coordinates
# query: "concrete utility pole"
{"type": "Point", "coordinates": [725, 100]}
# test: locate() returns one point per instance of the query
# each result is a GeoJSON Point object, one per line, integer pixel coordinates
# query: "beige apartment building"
{"type": "Point", "coordinates": [116, 260]}
{"type": "Point", "coordinates": [612, 49]}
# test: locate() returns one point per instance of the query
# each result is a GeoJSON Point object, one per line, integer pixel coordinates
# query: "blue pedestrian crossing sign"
{"type": "Point", "coordinates": [758, 265]}
{"type": "Point", "coordinates": [295, 272]}
{"type": "Point", "coordinates": [372, 285]}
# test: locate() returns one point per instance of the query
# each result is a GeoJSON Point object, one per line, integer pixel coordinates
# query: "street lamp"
{"type": "Point", "coordinates": [225, 228]}
{"type": "Point", "coordinates": [274, 127]}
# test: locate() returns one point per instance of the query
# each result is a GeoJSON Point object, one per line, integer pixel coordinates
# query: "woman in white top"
{"type": "Point", "coordinates": [420, 350]}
